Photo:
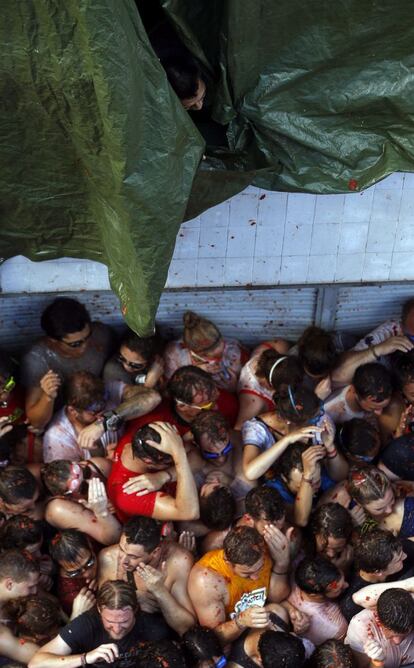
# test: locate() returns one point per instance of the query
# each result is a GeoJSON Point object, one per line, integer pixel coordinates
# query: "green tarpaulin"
{"type": "Point", "coordinates": [99, 159]}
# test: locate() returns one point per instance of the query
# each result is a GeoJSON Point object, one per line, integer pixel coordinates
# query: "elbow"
{"type": "Point", "coordinates": [188, 515]}
{"type": "Point", "coordinates": [34, 662]}
{"type": "Point", "coordinates": [154, 399]}
{"type": "Point", "coordinates": [301, 521]}
{"type": "Point", "coordinates": [249, 475]}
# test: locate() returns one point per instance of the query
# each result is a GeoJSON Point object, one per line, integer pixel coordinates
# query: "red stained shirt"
{"type": "Point", "coordinates": [127, 505]}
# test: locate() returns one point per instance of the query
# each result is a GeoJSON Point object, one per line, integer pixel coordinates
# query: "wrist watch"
{"type": "Point", "coordinates": [111, 421]}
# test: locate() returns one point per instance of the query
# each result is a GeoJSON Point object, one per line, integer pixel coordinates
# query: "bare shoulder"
{"type": "Point", "coordinates": [109, 555]}
{"type": "Point", "coordinates": [204, 578]}
{"type": "Point", "coordinates": [57, 508]}
{"type": "Point", "coordinates": [176, 554]}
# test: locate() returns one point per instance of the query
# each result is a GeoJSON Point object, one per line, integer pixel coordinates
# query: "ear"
{"type": "Point", "coordinates": [8, 583]}
{"type": "Point", "coordinates": [71, 411]}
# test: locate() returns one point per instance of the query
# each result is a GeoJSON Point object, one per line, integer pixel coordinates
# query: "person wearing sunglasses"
{"type": "Point", "coordinates": [72, 551]}
{"type": "Point", "coordinates": [137, 362]}
{"type": "Point", "coordinates": [89, 423]}
{"type": "Point", "coordinates": [203, 346]}
{"type": "Point", "coordinates": [71, 343]}
{"type": "Point", "coordinates": [219, 454]}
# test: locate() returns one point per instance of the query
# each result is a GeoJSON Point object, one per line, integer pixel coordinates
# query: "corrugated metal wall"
{"type": "Point", "coordinates": [250, 315]}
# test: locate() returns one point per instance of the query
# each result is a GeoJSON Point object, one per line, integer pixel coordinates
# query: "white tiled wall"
{"type": "Point", "coordinates": [268, 238]}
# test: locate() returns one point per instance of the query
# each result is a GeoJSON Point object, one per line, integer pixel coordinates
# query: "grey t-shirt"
{"type": "Point", "coordinates": [114, 370]}
{"type": "Point", "coordinates": [40, 359]}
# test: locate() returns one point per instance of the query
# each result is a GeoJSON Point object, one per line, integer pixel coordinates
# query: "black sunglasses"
{"type": "Point", "coordinates": [137, 366]}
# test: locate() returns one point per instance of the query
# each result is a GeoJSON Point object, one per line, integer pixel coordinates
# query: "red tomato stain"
{"type": "Point", "coordinates": [353, 184]}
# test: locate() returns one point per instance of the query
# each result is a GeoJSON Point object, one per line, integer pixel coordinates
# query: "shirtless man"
{"type": "Point", "coordinates": [158, 570]}
{"type": "Point", "coordinates": [229, 588]}
{"type": "Point", "coordinates": [19, 576]}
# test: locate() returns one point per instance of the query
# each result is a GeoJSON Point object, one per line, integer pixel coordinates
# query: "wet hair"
{"type": "Point", "coordinates": [199, 335]}
{"type": "Point", "coordinates": [55, 476]}
{"type": "Point", "coordinates": [211, 424]}
{"type": "Point", "coordinates": [372, 380]}
{"type": "Point", "coordinates": [289, 371]}
{"type": "Point", "coordinates": [244, 546]}
{"type": "Point", "coordinates": [34, 616]}
{"type": "Point", "coordinates": [331, 519]}
{"type": "Point", "coordinates": [314, 575]}
{"type": "Point", "coordinates": [402, 369]}
{"type": "Point", "coordinates": [67, 544]}
{"type": "Point", "coordinates": [115, 595]}
{"type": "Point", "coordinates": [332, 653]}
{"type": "Point", "coordinates": [358, 437]}
{"type": "Point", "coordinates": [374, 550]}
{"type": "Point", "coordinates": [200, 644]}
{"type": "Point", "coordinates": [64, 316]}
{"type": "Point", "coordinates": [143, 450]}
{"type": "Point", "coordinates": [218, 509]}
{"type": "Point", "coordinates": [19, 532]}
{"type": "Point", "coordinates": [265, 503]}
{"type": "Point", "coordinates": [146, 346]}
{"type": "Point", "coordinates": [162, 654]}
{"type": "Point", "coordinates": [395, 609]}
{"type": "Point", "coordinates": [83, 390]}
{"type": "Point", "coordinates": [317, 351]}
{"type": "Point", "coordinates": [145, 531]}
{"type": "Point", "coordinates": [188, 380]}
{"type": "Point", "coordinates": [182, 73]}
{"type": "Point", "coordinates": [16, 484]}
{"type": "Point", "coordinates": [408, 306]}
{"type": "Point", "coordinates": [296, 405]}
{"type": "Point", "coordinates": [291, 459]}
{"type": "Point", "coordinates": [17, 565]}
{"type": "Point", "coordinates": [397, 456]}
{"type": "Point", "coordinates": [367, 483]}
{"type": "Point", "coordinates": [288, 649]}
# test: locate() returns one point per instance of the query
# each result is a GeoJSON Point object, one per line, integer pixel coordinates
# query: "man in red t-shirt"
{"type": "Point", "coordinates": [154, 448]}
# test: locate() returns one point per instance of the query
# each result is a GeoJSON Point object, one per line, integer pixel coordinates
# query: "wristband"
{"type": "Point", "coordinates": [284, 573]}
{"type": "Point", "coordinates": [372, 349]}
{"type": "Point", "coordinates": [238, 624]}
{"type": "Point", "coordinates": [83, 659]}
{"type": "Point", "coordinates": [310, 482]}
{"type": "Point", "coordinates": [332, 455]}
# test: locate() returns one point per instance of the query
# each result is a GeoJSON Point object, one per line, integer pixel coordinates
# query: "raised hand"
{"type": "Point", "coordinates": [50, 384]}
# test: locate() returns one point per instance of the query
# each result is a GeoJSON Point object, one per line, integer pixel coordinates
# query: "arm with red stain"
{"type": "Point", "coordinates": [66, 514]}
{"type": "Point", "coordinates": [15, 648]}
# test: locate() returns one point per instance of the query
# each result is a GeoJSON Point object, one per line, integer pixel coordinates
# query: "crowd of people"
{"type": "Point", "coordinates": [193, 503]}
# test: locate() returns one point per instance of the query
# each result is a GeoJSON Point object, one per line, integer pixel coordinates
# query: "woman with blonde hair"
{"type": "Point", "coordinates": [203, 345]}
{"type": "Point", "coordinates": [368, 490]}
